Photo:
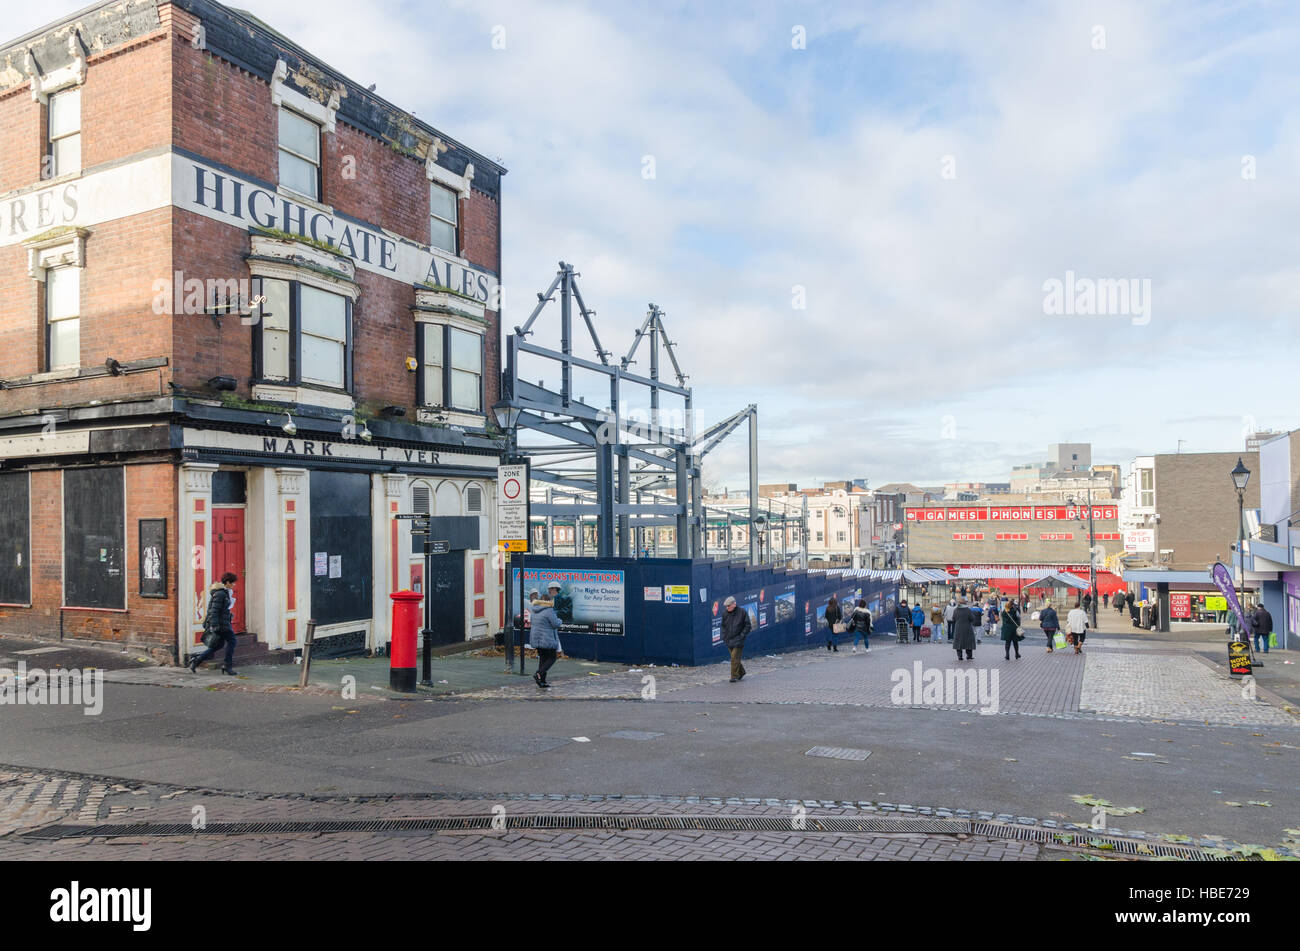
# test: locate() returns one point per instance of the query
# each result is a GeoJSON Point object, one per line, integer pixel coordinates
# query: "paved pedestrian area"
{"type": "Point", "coordinates": [1110, 679]}
{"type": "Point", "coordinates": [1127, 683]}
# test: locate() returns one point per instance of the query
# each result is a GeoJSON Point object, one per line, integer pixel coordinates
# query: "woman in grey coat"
{"type": "Point", "coordinates": [545, 634]}
{"type": "Point", "coordinates": [963, 631]}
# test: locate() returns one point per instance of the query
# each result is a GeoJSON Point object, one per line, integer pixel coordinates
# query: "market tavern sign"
{"type": "Point", "coordinates": [157, 181]}
{"type": "Point", "coordinates": [298, 448]}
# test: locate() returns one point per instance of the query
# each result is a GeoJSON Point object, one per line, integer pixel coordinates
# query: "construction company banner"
{"type": "Point", "coordinates": [590, 601]}
{"type": "Point", "coordinates": [1011, 513]}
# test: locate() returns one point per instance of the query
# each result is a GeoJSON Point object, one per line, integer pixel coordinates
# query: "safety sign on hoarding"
{"type": "Point", "coordinates": [512, 507]}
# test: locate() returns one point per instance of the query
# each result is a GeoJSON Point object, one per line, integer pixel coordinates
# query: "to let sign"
{"type": "Point", "coordinates": [512, 507]}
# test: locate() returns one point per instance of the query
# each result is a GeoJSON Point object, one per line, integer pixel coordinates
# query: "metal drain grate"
{"type": "Point", "coordinates": [1091, 840]}
{"type": "Point", "coordinates": [474, 758]}
{"type": "Point", "coordinates": [838, 752]}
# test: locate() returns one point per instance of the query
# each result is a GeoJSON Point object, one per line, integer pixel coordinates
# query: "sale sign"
{"type": "Point", "coordinates": [1180, 605]}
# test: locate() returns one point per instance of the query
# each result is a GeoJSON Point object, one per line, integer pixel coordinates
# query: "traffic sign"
{"type": "Point", "coordinates": [512, 507]}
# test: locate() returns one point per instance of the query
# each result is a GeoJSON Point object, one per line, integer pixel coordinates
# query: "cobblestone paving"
{"type": "Point", "coordinates": [162, 804]}
{"type": "Point", "coordinates": [1172, 688]}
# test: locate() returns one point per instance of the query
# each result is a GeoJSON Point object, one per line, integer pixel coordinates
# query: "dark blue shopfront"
{"type": "Point", "coordinates": [667, 610]}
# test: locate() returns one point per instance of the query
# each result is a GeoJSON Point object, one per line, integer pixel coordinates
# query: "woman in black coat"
{"type": "Point", "coordinates": [219, 621]}
{"type": "Point", "coordinates": [963, 631]}
{"type": "Point", "coordinates": [833, 616]}
{"type": "Point", "coordinates": [1011, 629]}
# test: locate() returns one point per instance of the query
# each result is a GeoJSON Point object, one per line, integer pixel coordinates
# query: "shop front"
{"type": "Point", "coordinates": [313, 524]}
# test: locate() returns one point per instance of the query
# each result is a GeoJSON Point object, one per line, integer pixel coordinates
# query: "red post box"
{"type": "Point", "coordinates": [401, 650]}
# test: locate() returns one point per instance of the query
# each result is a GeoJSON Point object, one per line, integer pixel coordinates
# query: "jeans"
{"type": "Point", "coordinates": [1264, 638]}
{"type": "Point", "coordinates": [545, 661]}
{"type": "Point", "coordinates": [1009, 645]}
{"type": "Point", "coordinates": [863, 636]}
{"type": "Point", "coordinates": [949, 626]}
{"type": "Point", "coordinates": [737, 668]}
{"type": "Point", "coordinates": [211, 652]}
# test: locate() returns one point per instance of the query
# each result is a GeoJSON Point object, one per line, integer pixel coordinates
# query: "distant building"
{"type": "Point", "coordinates": [1257, 439]}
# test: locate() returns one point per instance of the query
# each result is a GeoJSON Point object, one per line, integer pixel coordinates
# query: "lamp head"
{"type": "Point", "coordinates": [1240, 475]}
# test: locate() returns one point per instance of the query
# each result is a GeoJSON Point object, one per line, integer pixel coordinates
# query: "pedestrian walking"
{"type": "Point", "coordinates": [833, 615]}
{"type": "Point", "coordinates": [936, 619]}
{"type": "Point", "coordinates": [918, 621]}
{"type": "Point", "coordinates": [1050, 624]}
{"type": "Point", "coordinates": [1077, 621]}
{"type": "Point", "coordinates": [545, 634]}
{"type": "Point", "coordinates": [990, 618]}
{"type": "Point", "coordinates": [735, 628]}
{"type": "Point", "coordinates": [1105, 600]}
{"type": "Point", "coordinates": [1011, 636]}
{"type": "Point", "coordinates": [902, 621]}
{"type": "Point", "coordinates": [1119, 602]}
{"type": "Point", "coordinates": [1261, 625]}
{"type": "Point", "coordinates": [949, 613]}
{"type": "Point", "coordinates": [963, 630]}
{"type": "Point", "coordinates": [860, 625]}
{"type": "Point", "coordinates": [218, 624]}
{"type": "Point", "coordinates": [1087, 602]}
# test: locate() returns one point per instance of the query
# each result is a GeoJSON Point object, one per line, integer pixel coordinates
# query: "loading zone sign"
{"type": "Point", "coordinates": [512, 507]}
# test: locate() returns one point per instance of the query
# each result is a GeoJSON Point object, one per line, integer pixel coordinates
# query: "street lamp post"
{"type": "Point", "coordinates": [1092, 560]}
{"type": "Point", "coordinates": [507, 417]}
{"type": "Point", "coordinates": [1240, 477]}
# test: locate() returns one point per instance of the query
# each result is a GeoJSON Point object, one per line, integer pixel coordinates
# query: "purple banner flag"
{"type": "Point", "coordinates": [1223, 578]}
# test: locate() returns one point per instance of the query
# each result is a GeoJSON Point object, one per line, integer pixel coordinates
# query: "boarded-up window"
{"type": "Point", "coordinates": [94, 538]}
{"type": "Point", "coordinates": [15, 539]}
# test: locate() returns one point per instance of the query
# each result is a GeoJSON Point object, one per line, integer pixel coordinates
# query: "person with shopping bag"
{"type": "Point", "coordinates": [1050, 624]}
{"type": "Point", "coordinates": [918, 621]}
{"type": "Point", "coordinates": [218, 626]}
{"type": "Point", "coordinates": [833, 628]}
{"type": "Point", "coordinates": [860, 625]}
{"type": "Point", "coordinates": [1077, 621]}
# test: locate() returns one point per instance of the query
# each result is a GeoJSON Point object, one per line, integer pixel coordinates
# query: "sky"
{"type": "Point", "coordinates": [852, 213]}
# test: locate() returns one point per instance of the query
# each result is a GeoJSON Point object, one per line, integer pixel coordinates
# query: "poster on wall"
{"type": "Point", "coordinates": [153, 557]}
{"type": "Point", "coordinates": [784, 604]}
{"type": "Point", "coordinates": [590, 601]}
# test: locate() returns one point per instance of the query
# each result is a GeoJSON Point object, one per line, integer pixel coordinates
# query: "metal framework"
{"type": "Point", "coordinates": [605, 462]}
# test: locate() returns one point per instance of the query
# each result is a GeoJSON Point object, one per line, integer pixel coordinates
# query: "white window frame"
{"type": "Point", "coordinates": [51, 139]}
{"type": "Point", "coordinates": [51, 320]}
{"type": "Point", "coordinates": [317, 162]}
{"type": "Point", "coordinates": [435, 217]}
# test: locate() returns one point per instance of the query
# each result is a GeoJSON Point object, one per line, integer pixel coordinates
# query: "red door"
{"type": "Point", "coordinates": [228, 555]}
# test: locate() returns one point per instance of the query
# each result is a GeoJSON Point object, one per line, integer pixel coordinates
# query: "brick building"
{"type": "Point", "coordinates": [248, 313]}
